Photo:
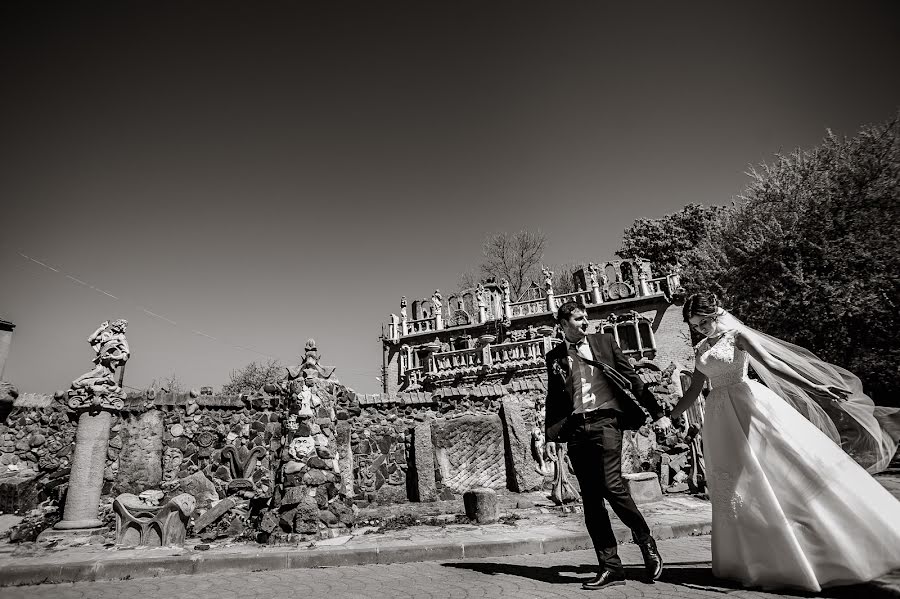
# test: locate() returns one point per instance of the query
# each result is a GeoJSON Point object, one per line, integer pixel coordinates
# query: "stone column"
{"type": "Point", "coordinates": [595, 284]}
{"type": "Point", "coordinates": [482, 306]}
{"type": "Point", "coordinates": [94, 396]}
{"type": "Point", "coordinates": [423, 462]}
{"type": "Point", "coordinates": [6, 330]}
{"type": "Point", "coordinates": [86, 479]}
{"type": "Point", "coordinates": [642, 280]}
{"type": "Point", "coordinates": [507, 308]}
{"type": "Point", "coordinates": [404, 318]}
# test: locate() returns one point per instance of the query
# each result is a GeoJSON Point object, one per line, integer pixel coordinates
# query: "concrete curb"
{"type": "Point", "coordinates": [391, 552]}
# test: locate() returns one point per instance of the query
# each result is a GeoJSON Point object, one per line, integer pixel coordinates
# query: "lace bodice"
{"type": "Point", "coordinates": [723, 362]}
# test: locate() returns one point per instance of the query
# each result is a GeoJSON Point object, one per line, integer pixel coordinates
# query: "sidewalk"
{"type": "Point", "coordinates": [538, 529]}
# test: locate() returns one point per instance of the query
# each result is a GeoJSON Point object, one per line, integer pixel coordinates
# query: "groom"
{"type": "Point", "coordinates": [588, 406]}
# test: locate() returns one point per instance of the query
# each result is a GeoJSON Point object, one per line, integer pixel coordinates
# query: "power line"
{"type": "Point", "coordinates": [374, 372]}
{"type": "Point", "coordinates": [146, 311]}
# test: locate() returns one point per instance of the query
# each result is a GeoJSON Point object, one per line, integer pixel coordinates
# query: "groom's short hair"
{"type": "Point", "coordinates": [567, 309]}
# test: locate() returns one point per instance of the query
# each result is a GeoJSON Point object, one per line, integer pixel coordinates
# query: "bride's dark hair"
{"type": "Point", "coordinates": [701, 304]}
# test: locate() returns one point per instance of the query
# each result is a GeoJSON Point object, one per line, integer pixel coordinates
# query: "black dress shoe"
{"type": "Point", "coordinates": [653, 562]}
{"type": "Point", "coordinates": [603, 580]}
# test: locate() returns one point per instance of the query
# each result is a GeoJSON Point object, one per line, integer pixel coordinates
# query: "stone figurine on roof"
{"type": "Point", "coordinates": [98, 388]}
{"type": "Point", "coordinates": [310, 367]}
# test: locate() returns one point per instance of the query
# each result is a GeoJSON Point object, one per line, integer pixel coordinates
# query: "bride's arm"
{"type": "Point", "coordinates": [698, 379]}
{"type": "Point", "coordinates": [759, 353]}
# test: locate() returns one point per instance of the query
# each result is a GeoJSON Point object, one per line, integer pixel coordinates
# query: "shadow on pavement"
{"type": "Point", "coordinates": [550, 574]}
{"type": "Point", "coordinates": [692, 575]}
{"type": "Point", "coordinates": [701, 578]}
{"type": "Point", "coordinates": [568, 574]}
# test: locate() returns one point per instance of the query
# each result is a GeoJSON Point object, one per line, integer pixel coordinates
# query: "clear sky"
{"type": "Point", "coordinates": [265, 172]}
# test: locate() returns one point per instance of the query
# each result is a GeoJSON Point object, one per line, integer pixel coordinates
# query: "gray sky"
{"type": "Point", "coordinates": [265, 172]}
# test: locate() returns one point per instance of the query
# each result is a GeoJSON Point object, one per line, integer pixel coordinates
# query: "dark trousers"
{"type": "Point", "coordinates": [595, 449]}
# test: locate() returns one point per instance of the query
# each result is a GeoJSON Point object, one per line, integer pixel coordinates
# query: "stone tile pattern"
{"type": "Point", "coordinates": [469, 452]}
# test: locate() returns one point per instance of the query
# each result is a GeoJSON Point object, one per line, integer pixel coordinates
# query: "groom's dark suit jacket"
{"type": "Point", "coordinates": [624, 382]}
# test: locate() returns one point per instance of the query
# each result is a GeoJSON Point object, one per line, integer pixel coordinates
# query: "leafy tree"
{"type": "Point", "coordinates": [810, 254]}
{"type": "Point", "coordinates": [252, 377]}
{"type": "Point", "coordinates": [668, 242]}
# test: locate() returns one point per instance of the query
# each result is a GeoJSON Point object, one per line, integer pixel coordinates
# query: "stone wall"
{"type": "Point", "coordinates": [36, 443]}
{"type": "Point", "coordinates": [457, 419]}
{"type": "Point", "coordinates": [410, 446]}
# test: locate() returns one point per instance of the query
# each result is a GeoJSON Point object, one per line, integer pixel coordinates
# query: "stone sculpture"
{"type": "Point", "coordinates": [548, 278]}
{"type": "Point", "coordinates": [437, 302]}
{"type": "Point", "coordinates": [143, 523]}
{"type": "Point", "coordinates": [94, 395]}
{"type": "Point", "coordinates": [562, 492]}
{"type": "Point", "coordinates": [98, 387]}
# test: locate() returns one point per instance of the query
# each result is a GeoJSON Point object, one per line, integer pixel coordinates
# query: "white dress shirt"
{"type": "Point", "coordinates": [589, 387]}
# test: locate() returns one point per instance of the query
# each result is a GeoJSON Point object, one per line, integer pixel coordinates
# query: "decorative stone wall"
{"type": "Point", "coordinates": [36, 443]}
{"type": "Point", "coordinates": [469, 452]}
{"type": "Point", "coordinates": [309, 500]}
{"type": "Point", "coordinates": [382, 473]}
{"type": "Point", "coordinates": [139, 444]}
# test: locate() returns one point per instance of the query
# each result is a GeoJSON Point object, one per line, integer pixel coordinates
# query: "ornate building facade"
{"type": "Point", "coordinates": [482, 335]}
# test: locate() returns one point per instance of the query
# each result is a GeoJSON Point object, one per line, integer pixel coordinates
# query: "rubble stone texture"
{"type": "Point", "coordinates": [140, 452]}
{"type": "Point", "coordinates": [426, 487]}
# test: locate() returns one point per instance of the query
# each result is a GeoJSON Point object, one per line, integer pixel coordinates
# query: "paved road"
{"type": "Point", "coordinates": [522, 577]}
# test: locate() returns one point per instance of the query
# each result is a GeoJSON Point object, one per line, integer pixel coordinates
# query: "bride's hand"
{"type": "Point", "coordinates": [831, 392]}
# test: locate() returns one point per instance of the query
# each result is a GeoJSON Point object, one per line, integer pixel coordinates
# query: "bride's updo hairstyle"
{"type": "Point", "coordinates": [701, 304]}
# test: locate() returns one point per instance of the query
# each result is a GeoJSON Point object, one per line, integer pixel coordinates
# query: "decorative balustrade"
{"type": "Point", "coordinates": [457, 359]}
{"type": "Point", "coordinates": [528, 307]}
{"type": "Point", "coordinates": [615, 280]}
{"type": "Point", "coordinates": [665, 285]}
{"type": "Point", "coordinates": [423, 325]}
{"type": "Point", "coordinates": [585, 297]}
{"type": "Point", "coordinates": [528, 354]}
{"type": "Point", "coordinates": [415, 375]}
{"type": "Point", "coordinates": [517, 351]}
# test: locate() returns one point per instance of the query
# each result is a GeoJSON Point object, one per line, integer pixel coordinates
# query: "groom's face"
{"type": "Point", "coordinates": [575, 327]}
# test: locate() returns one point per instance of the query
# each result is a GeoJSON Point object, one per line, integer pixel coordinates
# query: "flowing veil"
{"type": "Point", "coordinates": [867, 432]}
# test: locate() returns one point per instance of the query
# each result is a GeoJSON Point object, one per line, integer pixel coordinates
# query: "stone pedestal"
{"type": "Point", "coordinates": [86, 479]}
{"type": "Point", "coordinates": [482, 505]}
{"type": "Point", "coordinates": [643, 486]}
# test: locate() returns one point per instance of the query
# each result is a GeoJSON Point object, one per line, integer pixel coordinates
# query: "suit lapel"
{"type": "Point", "coordinates": [597, 350]}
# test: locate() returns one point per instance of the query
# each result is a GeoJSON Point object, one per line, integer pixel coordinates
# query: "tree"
{"type": "Point", "coordinates": [810, 254]}
{"type": "Point", "coordinates": [515, 257]}
{"type": "Point", "coordinates": [252, 377]}
{"type": "Point", "coordinates": [169, 384]}
{"type": "Point", "coordinates": [563, 279]}
{"type": "Point", "coordinates": [668, 241]}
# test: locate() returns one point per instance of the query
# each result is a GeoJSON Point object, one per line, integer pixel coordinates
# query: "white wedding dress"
{"type": "Point", "coordinates": [790, 508]}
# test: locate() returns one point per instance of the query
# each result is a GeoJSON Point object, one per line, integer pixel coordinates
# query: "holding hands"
{"type": "Point", "coordinates": [663, 424]}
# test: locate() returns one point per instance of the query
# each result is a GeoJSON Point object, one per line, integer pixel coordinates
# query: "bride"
{"type": "Point", "coordinates": [793, 504]}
